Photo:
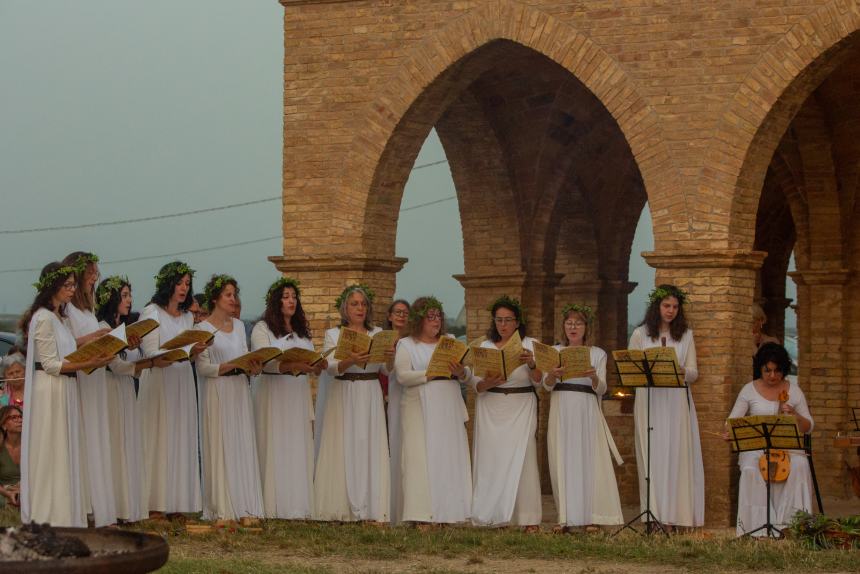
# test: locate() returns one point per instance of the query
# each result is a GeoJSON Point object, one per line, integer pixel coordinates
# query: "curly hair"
{"type": "Point", "coordinates": [652, 319]}
{"type": "Point", "coordinates": [274, 316]}
{"type": "Point", "coordinates": [772, 353]}
{"type": "Point", "coordinates": [419, 311]}
{"type": "Point", "coordinates": [215, 286]}
{"type": "Point", "coordinates": [164, 289]}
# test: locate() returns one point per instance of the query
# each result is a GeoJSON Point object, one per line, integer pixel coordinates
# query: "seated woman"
{"type": "Point", "coordinates": [12, 369]}
{"type": "Point", "coordinates": [772, 394]}
{"type": "Point", "coordinates": [11, 419]}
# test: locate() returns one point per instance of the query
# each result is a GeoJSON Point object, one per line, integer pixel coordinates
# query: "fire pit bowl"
{"type": "Point", "coordinates": [137, 553]}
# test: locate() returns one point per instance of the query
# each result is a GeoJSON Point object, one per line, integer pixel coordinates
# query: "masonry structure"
{"type": "Point", "coordinates": [738, 122]}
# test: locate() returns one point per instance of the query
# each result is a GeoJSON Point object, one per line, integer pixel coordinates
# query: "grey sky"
{"type": "Point", "coordinates": [114, 109]}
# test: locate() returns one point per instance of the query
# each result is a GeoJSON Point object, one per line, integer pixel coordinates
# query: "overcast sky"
{"type": "Point", "coordinates": [116, 109]}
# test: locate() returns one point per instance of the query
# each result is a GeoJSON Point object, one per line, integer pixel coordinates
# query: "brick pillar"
{"type": "Point", "coordinates": [774, 309]}
{"type": "Point", "coordinates": [821, 301]}
{"type": "Point", "coordinates": [721, 285]}
{"type": "Point", "coordinates": [613, 316]}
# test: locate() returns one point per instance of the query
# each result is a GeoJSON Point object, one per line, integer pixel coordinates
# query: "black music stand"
{"type": "Point", "coordinates": [635, 369]}
{"type": "Point", "coordinates": [855, 416]}
{"type": "Point", "coordinates": [765, 433]}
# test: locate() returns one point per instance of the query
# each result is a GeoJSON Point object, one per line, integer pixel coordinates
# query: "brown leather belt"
{"type": "Point", "coordinates": [511, 390]}
{"type": "Point", "coordinates": [574, 388]}
{"type": "Point", "coordinates": [357, 377]}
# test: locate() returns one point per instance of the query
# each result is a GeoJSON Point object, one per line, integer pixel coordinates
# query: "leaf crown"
{"type": "Point", "coordinates": [506, 301]}
{"type": "Point", "coordinates": [83, 260]}
{"type": "Point", "coordinates": [368, 292]}
{"type": "Point", "coordinates": [215, 284]}
{"type": "Point", "coordinates": [430, 302]}
{"type": "Point", "coordinates": [583, 310]}
{"type": "Point", "coordinates": [48, 279]}
{"type": "Point", "coordinates": [282, 282]}
{"type": "Point", "coordinates": [106, 289]}
{"type": "Point", "coordinates": [171, 272]}
{"type": "Point", "coordinates": [663, 291]}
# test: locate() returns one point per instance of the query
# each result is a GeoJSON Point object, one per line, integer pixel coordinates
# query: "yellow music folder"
{"type": "Point", "coordinates": [141, 328]}
{"type": "Point", "coordinates": [447, 350]}
{"type": "Point", "coordinates": [108, 344]}
{"type": "Point", "coordinates": [189, 337]}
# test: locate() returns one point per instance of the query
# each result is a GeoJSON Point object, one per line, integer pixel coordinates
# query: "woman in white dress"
{"type": "Point", "coordinates": [168, 401]}
{"type": "Point", "coordinates": [677, 472]}
{"type": "Point", "coordinates": [285, 414]}
{"type": "Point", "coordinates": [579, 445]}
{"type": "Point", "coordinates": [397, 320]}
{"type": "Point", "coordinates": [352, 475]}
{"type": "Point", "coordinates": [506, 482]}
{"type": "Point", "coordinates": [435, 472]}
{"type": "Point", "coordinates": [772, 394]}
{"type": "Point", "coordinates": [113, 302]}
{"type": "Point", "coordinates": [93, 391]}
{"type": "Point", "coordinates": [231, 472]}
{"type": "Point", "coordinates": [53, 484]}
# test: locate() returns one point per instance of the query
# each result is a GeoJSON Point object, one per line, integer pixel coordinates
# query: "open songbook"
{"type": "Point", "coordinates": [300, 355]}
{"type": "Point", "coordinates": [660, 364]}
{"type": "Point", "coordinates": [173, 355]}
{"type": "Point", "coordinates": [492, 361]}
{"type": "Point", "coordinates": [189, 337]}
{"type": "Point", "coordinates": [752, 432]}
{"type": "Point", "coordinates": [141, 328]}
{"type": "Point", "coordinates": [574, 360]}
{"type": "Point", "coordinates": [447, 350]}
{"type": "Point", "coordinates": [264, 355]}
{"type": "Point", "coordinates": [354, 342]}
{"type": "Point", "coordinates": [108, 344]}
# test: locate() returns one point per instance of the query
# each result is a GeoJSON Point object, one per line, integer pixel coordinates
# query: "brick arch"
{"type": "Point", "coordinates": [756, 117]}
{"type": "Point", "coordinates": [383, 149]}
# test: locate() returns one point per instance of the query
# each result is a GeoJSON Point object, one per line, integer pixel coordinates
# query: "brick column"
{"type": "Point", "coordinates": [721, 285]}
{"type": "Point", "coordinates": [822, 373]}
{"type": "Point", "coordinates": [774, 309]}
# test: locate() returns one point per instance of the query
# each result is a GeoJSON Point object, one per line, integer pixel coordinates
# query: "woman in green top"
{"type": "Point", "coordinates": [11, 418]}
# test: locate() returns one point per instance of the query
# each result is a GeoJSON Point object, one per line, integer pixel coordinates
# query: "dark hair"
{"type": "Point", "coordinates": [212, 291]}
{"type": "Point", "coordinates": [772, 353]}
{"type": "Point", "coordinates": [4, 413]}
{"type": "Point", "coordinates": [677, 327]}
{"type": "Point", "coordinates": [108, 311]}
{"type": "Point", "coordinates": [419, 311]}
{"type": "Point", "coordinates": [492, 332]}
{"type": "Point", "coordinates": [564, 339]}
{"type": "Point", "coordinates": [274, 317]}
{"type": "Point", "coordinates": [201, 300]}
{"type": "Point", "coordinates": [44, 298]}
{"type": "Point", "coordinates": [82, 299]}
{"type": "Point", "coordinates": [387, 321]}
{"type": "Point", "coordinates": [164, 289]}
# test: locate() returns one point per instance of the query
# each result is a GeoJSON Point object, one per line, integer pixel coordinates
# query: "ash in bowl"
{"type": "Point", "coordinates": [39, 542]}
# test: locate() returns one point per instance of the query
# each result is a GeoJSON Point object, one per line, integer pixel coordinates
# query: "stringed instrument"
{"type": "Point", "coordinates": [776, 465]}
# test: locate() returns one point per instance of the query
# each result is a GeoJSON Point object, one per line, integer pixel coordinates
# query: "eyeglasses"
{"type": "Point", "coordinates": [431, 316]}
{"type": "Point", "coordinates": [69, 285]}
{"type": "Point", "coordinates": [400, 313]}
{"type": "Point", "coordinates": [504, 320]}
{"type": "Point", "coordinates": [13, 418]}
{"type": "Point", "coordinates": [573, 324]}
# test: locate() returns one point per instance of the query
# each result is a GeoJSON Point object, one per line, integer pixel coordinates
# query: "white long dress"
{"type": "Point", "coordinates": [126, 442]}
{"type": "Point", "coordinates": [506, 481]}
{"type": "Point", "coordinates": [395, 392]}
{"type": "Point", "coordinates": [580, 450]}
{"type": "Point", "coordinates": [352, 474]}
{"type": "Point", "coordinates": [435, 471]}
{"type": "Point", "coordinates": [786, 498]}
{"type": "Point", "coordinates": [677, 472]}
{"type": "Point", "coordinates": [231, 471]}
{"type": "Point", "coordinates": [53, 487]}
{"type": "Point", "coordinates": [94, 417]}
{"type": "Point", "coordinates": [285, 440]}
{"type": "Point", "coordinates": [168, 408]}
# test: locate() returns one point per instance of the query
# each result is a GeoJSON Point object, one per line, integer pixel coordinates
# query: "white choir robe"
{"type": "Point", "coordinates": [677, 471]}
{"type": "Point", "coordinates": [352, 472]}
{"type": "Point", "coordinates": [435, 473]}
{"type": "Point", "coordinates": [231, 472]}
{"type": "Point", "coordinates": [506, 481]}
{"type": "Point", "coordinates": [168, 408]}
{"type": "Point", "coordinates": [580, 450]}
{"type": "Point", "coordinates": [53, 485]}
{"type": "Point", "coordinates": [285, 442]}
{"type": "Point", "coordinates": [786, 498]}
{"type": "Point", "coordinates": [94, 416]}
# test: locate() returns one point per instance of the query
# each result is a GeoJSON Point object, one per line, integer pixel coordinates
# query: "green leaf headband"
{"type": "Point", "coordinates": [282, 282]}
{"type": "Point", "coordinates": [171, 271]}
{"type": "Point", "coordinates": [430, 302]}
{"type": "Point", "coordinates": [108, 287]}
{"type": "Point", "coordinates": [661, 293]}
{"type": "Point", "coordinates": [82, 261]}
{"type": "Point", "coordinates": [215, 284]}
{"type": "Point", "coordinates": [48, 280]}
{"type": "Point", "coordinates": [583, 310]}
{"type": "Point", "coordinates": [506, 301]}
{"type": "Point", "coordinates": [368, 292]}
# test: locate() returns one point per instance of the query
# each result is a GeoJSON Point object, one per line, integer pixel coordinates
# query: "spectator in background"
{"type": "Point", "coordinates": [11, 419]}
{"type": "Point", "coordinates": [198, 308]}
{"type": "Point", "coordinates": [12, 369]}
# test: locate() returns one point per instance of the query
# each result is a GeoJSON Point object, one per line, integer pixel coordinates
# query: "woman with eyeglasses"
{"type": "Point", "coordinates": [397, 320]}
{"type": "Point", "coordinates": [93, 388]}
{"type": "Point", "coordinates": [677, 478]}
{"type": "Point", "coordinates": [285, 413]}
{"type": "Point", "coordinates": [11, 421]}
{"type": "Point", "coordinates": [580, 448]}
{"type": "Point", "coordinates": [12, 368]}
{"type": "Point", "coordinates": [435, 473]}
{"type": "Point", "coordinates": [352, 477]}
{"type": "Point", "coordinates": [506, 479]}
{"type": "Point", "coordinates": [53, 487]}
